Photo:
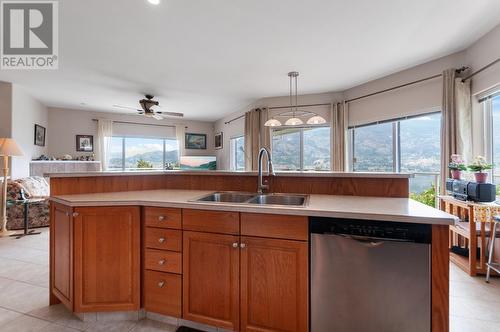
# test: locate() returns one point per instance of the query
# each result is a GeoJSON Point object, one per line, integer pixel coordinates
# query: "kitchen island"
{"type": "Point", "coordinates": [122, 242]}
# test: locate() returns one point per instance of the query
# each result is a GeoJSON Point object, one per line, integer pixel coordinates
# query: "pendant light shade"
{"type": "Point", "coordinates": [294, 122]}
{"type": "Point", "coordinates": [316, 120]}
{"type": "Point", "coordinates": [272, 123]}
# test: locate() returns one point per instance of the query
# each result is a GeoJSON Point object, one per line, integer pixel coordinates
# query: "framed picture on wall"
{"type": "Point", "coordinates": [39, 135]}
{"type": "Point", "coordinates": [218, 141]}
{"type": "Point", "coordinates": [195, 141]}
{"type": "Point", "coordinates": [84, 143]}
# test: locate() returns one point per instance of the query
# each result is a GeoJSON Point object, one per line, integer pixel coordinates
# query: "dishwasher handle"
{"type": "Point", "coordinates": [368, 241]}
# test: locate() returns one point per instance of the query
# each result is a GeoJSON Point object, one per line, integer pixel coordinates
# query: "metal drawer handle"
{"type": "Point", "coordinates": [161, 218]}
{"type": "Point", "coordinates": [161, 240]}
{"type": "Point", "coordinates": [235, 245]}
{"type": "Point", "coordinates": [161, 283]}
{"type": "Point", "coordinates": [242, 246]}
{"type": "Point", "coordinates": [75, 214]}
{"type": "Point", "coordinates": [162, 262]}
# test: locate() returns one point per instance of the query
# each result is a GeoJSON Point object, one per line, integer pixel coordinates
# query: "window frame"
{"type": "Point", "coordinates": [396, 139]}
{"type": "Point", "coordinates": [233, 153]}
{"type": "Point", "coordinates": [123, 152]}
{"type": "Point", "coordinates": [489, 144]}
{"type": "Point", "coordinates": [301, 145]}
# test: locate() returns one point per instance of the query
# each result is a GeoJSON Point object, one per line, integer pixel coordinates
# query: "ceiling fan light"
{"type": "Point", "coordinates": [272, 123]}
{"type": "Point", "coordinates": [316, 120]}
{"type": "Point", "coordinates": [294, 122]}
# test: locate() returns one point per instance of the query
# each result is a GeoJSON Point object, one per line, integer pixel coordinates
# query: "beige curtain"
{"type": "Point", "coordinates": [338, 135]}
{"type": "Point", "coordinates": [180, 135]}
{"type": "Point", "coordinates": [456, 123]}
{"type": "Point", "coordinates": [256, 136]}
{"type": "Point", "coordinates": [104, 135]}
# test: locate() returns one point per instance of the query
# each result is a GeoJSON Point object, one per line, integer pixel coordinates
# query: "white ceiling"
{"type": "Point", "coordinates": [209, 58]}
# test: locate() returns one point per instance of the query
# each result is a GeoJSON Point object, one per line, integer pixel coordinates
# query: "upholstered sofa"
{"type": "Point", "coordinates": [38, 214]}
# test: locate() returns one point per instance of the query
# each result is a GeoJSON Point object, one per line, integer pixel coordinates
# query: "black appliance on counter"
{"type": "Point", "coordinates": [471, 191]}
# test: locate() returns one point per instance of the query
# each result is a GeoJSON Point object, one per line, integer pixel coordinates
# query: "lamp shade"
{"type": "Point", "coordinates": [9, 147]}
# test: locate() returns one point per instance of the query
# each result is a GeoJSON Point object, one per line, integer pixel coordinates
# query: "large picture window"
{"type": "Point", "coordinates": [141, 153]}
{"type": "Point", "coordinates": [301, 149]}
{"type": "Point", "coordinates": [410, 145]}
{"type": "Point", "coordinates": [492, 107]}
{"type": "Point", "coordinates": [237, 152]}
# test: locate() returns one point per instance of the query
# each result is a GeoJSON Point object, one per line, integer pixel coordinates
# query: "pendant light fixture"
{"type": "Point", "coordinates": [295, 120]}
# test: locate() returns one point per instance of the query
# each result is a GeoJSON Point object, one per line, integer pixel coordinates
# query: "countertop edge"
{"type": "Point", "coordinates": [301, 211]}
{"type": "Point", "coordinates": [236, 173]}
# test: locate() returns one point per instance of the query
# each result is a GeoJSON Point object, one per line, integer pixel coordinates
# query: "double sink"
{"type": "Point", "coordinates": [255, 199]}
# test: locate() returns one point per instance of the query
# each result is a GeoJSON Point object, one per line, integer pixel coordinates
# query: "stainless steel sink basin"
{"type": "Point", "coordinates": [254, 199]}
{"type": "Point", "coordinates": [226, 197]}
{"type": "Point", "coordinates": [279, 199]}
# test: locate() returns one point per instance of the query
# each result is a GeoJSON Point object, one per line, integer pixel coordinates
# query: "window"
{"type": "Point", "coordinates": [134, 153]}
{"type": "Point", "coordinates": [237, 151]}
{"type": "Point", "coordinates": [492, 107]}
{"type": "Point", "coordinates": [411, 145]}
{"type": "Point", "coordinates": [298, 149]}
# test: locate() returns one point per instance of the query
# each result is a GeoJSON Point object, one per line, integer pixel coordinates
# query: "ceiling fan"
{"type": "Point", "coordinates": [147, 104]}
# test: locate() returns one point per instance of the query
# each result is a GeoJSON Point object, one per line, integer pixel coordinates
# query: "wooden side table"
{"type": "Point", "coordinates": [472, 231]}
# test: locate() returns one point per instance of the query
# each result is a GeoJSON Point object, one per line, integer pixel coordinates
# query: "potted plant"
{"type": "Point", "coordinates": [456, 165]}
{"type": "Point", "coordinates": [478, 166]}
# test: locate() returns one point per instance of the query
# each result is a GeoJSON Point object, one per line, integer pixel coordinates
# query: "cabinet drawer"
{"type": "Point", "coordinates": [275, 226]}
{"type": "Point", "coordinates": [165, 239]}
{"type": "Point", "coordinates": [211, 221]}
{"type": "Point", "coordinates": [165, 261]}
{"type": "Point", "coordinates": [162, 217]}
{"type": "Point", "coordinates": [162, 293]}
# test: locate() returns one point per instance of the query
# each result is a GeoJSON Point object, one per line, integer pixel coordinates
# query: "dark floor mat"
{"type": "Point", "coordinates": [186, 329]}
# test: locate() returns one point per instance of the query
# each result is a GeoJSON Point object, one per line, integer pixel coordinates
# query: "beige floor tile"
{"type": "Point", "coordinates": [147, 325]}
{"type": "Point", "coordinates": [475, 309]}
{"type": "Point", "coordinates": [34, 274]}
{"type": "Point", "coordinates": [23, 297]}
{"type": "Point", "coordinates": [123, 326]}
{"type": "Point", "coordinates": [57, 328]}
{"type": "Point", "coordinates": [7, 315]}
{"type": "Point", "coordinates": [51, 313]}
{"type": "Point", "coordinates": [24, 324]}
{"type": "Point", "coordinates": [15, 250]}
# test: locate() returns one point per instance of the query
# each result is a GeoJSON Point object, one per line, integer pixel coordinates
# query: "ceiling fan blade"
{"type": "Point", "coordinates": [157, 116]}
{"type": "Point", "coordinates": [179, 115]}
{"type": "Point", "coordinates": [125, 107]}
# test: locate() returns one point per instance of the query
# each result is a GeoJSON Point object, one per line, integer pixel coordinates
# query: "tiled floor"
{"type": "Point", "coordinates": [474, 305]}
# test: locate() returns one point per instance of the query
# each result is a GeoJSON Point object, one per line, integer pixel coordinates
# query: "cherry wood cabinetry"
{"type": "Point", "coordinates": [274, 285]}
{"type": "Point", "coordinates": [107, 258]}
{"type": "Point", "coordinates": [211, 279]}
{"type": "Point", "coordinates": [61, 259]}
{"type": "Point", "coordinates": [162, 261]}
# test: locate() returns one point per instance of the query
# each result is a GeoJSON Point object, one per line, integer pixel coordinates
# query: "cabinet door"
{"type": "Point", "coordinates": [211, 279]}
{"type": "Point", "coordinates": [61, 267]}
{"type": "Point", "coordinates": [274, 285]}
{"type": "Point", "coordinates": [107, 258]}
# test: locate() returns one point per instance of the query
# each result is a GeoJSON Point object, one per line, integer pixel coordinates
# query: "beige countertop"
{"type": "Point", "coordinates": [237, 173]}
{"type": "Point", "coordinates": [333, 206]}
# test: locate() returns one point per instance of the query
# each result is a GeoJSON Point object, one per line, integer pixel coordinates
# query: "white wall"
{"type": "Point", "coordinates": [420, 98]}
{"type": "Point", "coordinates": [65, 124]}
{"type": "Point", "coordinates": [26, 112]}
{"type": "Point", "coordinates": [237, 127]}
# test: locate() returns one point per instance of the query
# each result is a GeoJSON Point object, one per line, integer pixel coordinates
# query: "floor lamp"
{"type": "Point", "coordinates": [8, 148]}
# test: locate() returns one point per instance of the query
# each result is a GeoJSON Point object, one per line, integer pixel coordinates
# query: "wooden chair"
{"type": "Point", "coordinates": [471, 232]}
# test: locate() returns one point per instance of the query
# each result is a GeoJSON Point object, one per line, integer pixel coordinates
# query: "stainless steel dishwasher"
{"type": "Point", "coordinates": [370, 276]}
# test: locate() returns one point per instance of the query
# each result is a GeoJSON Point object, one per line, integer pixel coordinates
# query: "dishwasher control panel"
{"type": "Point", "coordinates": [419, 233]}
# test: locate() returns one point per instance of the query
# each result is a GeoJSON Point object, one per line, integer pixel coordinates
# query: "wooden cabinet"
{"type": "Point", "coordinates": [61, 255]}
{"type": "Point", "coordinates": [211, 279]}
{"type": "Point", "coordinates": [107, 259]}
{"type": "Point", "coordinates": [274, 285]}
{"type": "Point", "coordinates": [163, 293]}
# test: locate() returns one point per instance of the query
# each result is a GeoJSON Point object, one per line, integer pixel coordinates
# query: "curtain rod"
{"type": "Point", "coordinates": [403, 85]}
{"type": "Point", "coordinates": [279, 107]}
{"type": "Point", "coordinates": [481, 69]}
{"type": "Point", "coordinates": [144, 124]}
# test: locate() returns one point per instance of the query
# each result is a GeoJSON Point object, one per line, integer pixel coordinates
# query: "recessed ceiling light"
{"type": "Point", "coordinates": [154, 2]}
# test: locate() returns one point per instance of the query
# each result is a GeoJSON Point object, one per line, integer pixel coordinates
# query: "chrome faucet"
{"type": "Point", "coordinates": [260, 185]}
